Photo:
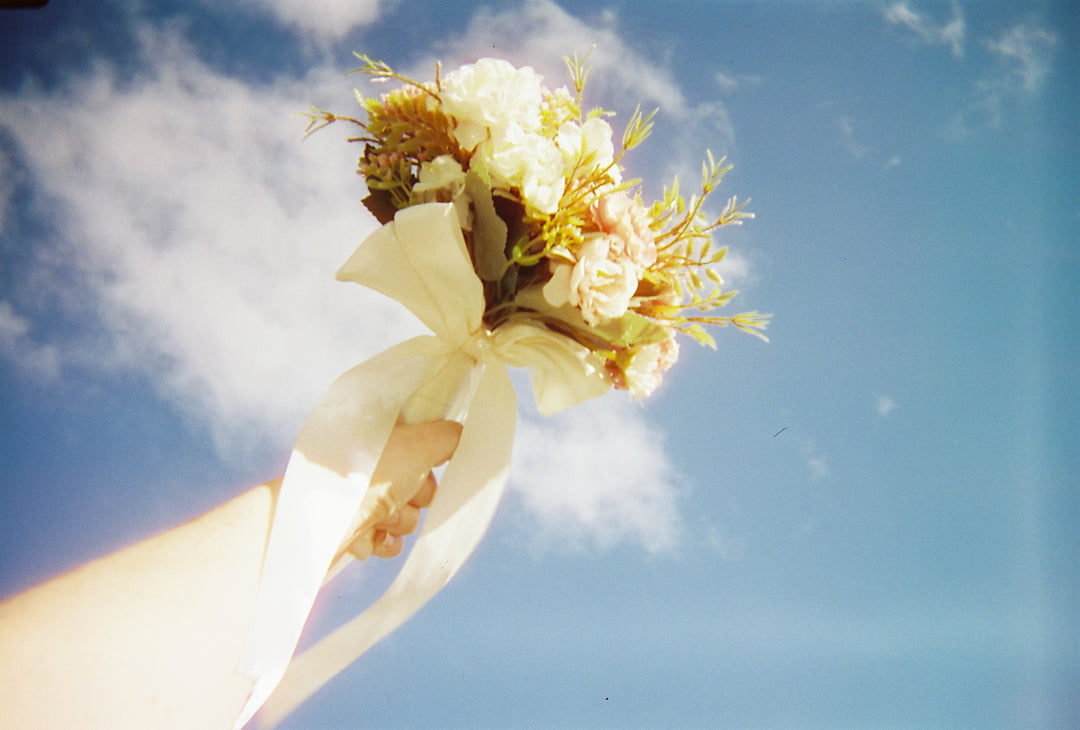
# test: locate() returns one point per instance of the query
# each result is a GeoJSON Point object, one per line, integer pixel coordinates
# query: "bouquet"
{"type": "Point", "coordinates": [509, 229]}
{"type": "Point", "coordinates": [550, 225]}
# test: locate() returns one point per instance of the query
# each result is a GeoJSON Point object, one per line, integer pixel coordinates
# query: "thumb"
{"type": "Point", "coordinates": [410, 454]}
{"type": "Point", "coordinates": [431, 443]}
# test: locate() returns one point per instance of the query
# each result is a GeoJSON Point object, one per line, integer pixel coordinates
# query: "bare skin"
{"type": "Point", "coordinates": [148, 637]}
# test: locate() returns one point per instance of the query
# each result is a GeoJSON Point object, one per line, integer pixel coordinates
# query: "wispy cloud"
{"type": "Point", "coordinates": [729, 84]}
{"type": "Point", "coordinates": [596, 477]}
{"type": "Point", "coordinates": [851, 141]}
{"type": "Point", "coordinates": [727, 544]}
{"type": "Point", "coordinates": [1023, 60]}
{"type": "Point", "coordinates": [884, 405]}
{"type": "Point", "coordinates": [817, 465]}
{"type": "Point", "coordinates": [317, 20]}
{"type": "Point", "coordinates": [848, 141]}
{"type": "Point", "coordinates": [949, 33]}
{"type": "Point", "coordinates": [1024, 50]}
{"type": "Point", "coordinates": [815, 459]}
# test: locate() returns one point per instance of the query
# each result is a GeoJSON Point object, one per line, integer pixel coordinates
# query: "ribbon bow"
{"type": "Point", "coordinates": [460, 372]}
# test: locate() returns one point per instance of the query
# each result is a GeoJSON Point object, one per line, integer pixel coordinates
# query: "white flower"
{"type": "Point", "coordinates": [442, 173]}
{"type": "Point", "coordinates": [590, 143]}
{"type": "Point", "coordinates": [527, 161]}
{"type": "Point", "coordinates": [542, 179]}
{"type": "Point", "coordinates": [487, 96]}
{"type": "Point", "coordinates": [600, 284]}
{"type": "Point", "coordinates": [443, 181]}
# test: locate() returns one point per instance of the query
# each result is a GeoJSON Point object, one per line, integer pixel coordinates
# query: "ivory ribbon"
{"type": "Point", "coordinates": [421, 260]}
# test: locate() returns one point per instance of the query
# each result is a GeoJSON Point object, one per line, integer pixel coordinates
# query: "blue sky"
{"type": "Point", "coordinates": [869, 522]}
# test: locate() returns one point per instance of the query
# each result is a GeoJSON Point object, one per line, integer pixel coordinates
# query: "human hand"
{"type": "Point", "coordinates": [407, 485]}
{"type": "Point", "coordinates": [389, 539]}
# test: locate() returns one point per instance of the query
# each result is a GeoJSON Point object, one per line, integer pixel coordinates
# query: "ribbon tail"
{"type": "Point", "coordinates": [323, 488]}
{"type": "Point", "coordinates": [464, 505]}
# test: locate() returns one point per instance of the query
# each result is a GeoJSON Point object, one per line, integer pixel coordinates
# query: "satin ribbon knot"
{"type": "Point", "coordinates": [479, 345]}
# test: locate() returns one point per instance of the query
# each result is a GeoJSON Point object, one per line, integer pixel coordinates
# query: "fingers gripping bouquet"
{"type": "Point", "coordinates": [508, 229]}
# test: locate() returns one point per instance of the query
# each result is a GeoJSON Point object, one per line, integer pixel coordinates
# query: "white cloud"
{"type": "Point", "coordinates": [884, 405]}
{"type": "Point", "coordinates": [729, 84]}
{"type": "Point", "coordinates": [727, 544]}
{"type": "Point", "coordinates": [848, 141]}
{"type": "Point", "coordinates": [726, 83]}
{"type": "Point", "coordinates": [322, 20]}
{"type": "Point", "coordinates": [1025, 53]}
{"type": "Point", "coordinates": [733, 267]}
{"type": "Point", "coordinates": [819, 469]}
{"type": "Point", "coordinates": [949, 33]}
{"type": "Point", "coordinates": [204, 234]}
{"type": "Point", "coordinates": [595, 477]}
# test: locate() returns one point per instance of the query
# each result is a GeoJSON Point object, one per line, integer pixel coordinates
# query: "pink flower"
{"type": "Point", "coordinates": [622, 217]}
{"type": "Point", "coordinates": [648, 365]}
{"type": "Point", "coordinates": [600, 284]}
{"type": "Point", "coordinates": [669, 353]}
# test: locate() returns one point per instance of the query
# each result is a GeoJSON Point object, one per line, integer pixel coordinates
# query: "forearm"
{"type": "Point", "coordinates": [146, 637]}
{"type": "Point", "coordinates": [149, 637]}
